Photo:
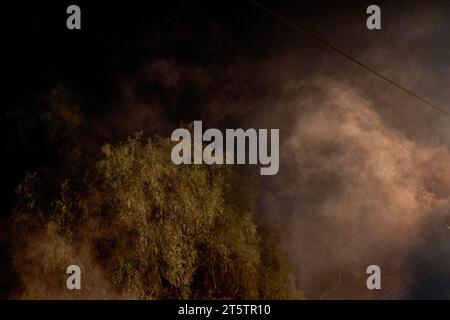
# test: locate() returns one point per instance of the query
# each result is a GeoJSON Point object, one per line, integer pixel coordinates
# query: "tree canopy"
{"type": "Point", "coordinates": [141, 227]}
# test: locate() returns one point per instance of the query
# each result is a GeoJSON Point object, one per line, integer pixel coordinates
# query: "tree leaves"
{"type": "Point", "coordinates": [151, 229]}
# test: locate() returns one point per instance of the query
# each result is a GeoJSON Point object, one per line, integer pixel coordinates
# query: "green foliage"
{"type": "Point", "coordinates": [154, 229]}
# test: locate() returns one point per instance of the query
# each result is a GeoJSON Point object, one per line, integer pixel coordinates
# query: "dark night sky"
{"type": "Point", "coordinates": [114, 38]}
{"type": "Point", "coordinates": [117, 39]}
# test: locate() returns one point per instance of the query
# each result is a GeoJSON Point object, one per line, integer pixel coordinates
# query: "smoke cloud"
{"type": "Point", "coordinates": [356, 192]}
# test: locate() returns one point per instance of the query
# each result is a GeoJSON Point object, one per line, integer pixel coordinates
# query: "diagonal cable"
{"type": "Point", "coordinates": [349, 57]}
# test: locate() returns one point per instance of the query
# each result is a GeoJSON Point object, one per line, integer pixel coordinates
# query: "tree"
{"type": "Point", "coordinates": [141, 227]}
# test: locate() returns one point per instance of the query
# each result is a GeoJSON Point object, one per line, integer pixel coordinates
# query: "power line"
{"type": "Point", "coordinates": [349, 57]}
